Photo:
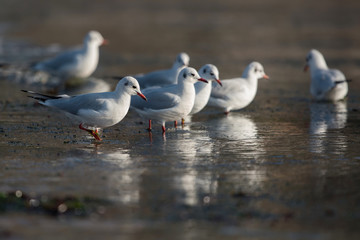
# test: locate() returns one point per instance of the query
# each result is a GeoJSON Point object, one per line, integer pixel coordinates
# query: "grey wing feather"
{"type": "Point", "coordinates": [157, 99]}
{"type": "Point", "coordinates": [336, 75]}
{"type": "Point", "coordinates": [230, 86]}
{"type": "Point", "coordinates": [153, 78]}
{"type": "Point", "coordinates": [74, 104]}
{"type": "Point", "coordinates": [326, 79]}
{"type": "Point", "coordinates": [56, 63]}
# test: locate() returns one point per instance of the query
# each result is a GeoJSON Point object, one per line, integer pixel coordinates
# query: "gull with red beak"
{"type": "Point", "coordinates": [169, 103]}
{"type": "Point", "coordinates": [326, 84]}
{"type": "Point", "coordinates": [75, 64]}
{"type": "Point", "coordinates": [203, 91]}
{"type": "Point", "coordinates": [237, 93]}
{"type": "Point", "coordinates": [94, 111]}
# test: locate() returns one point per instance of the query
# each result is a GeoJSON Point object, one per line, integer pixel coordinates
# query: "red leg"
{"type": "Point", "coordinates": [149, 129]}
{"type": "Point", "coordinates": [163, 128]}
{"type": "Point", "coordinates": [182, 122]}
{"type": "Point", "coordinates": [85, 129]}
{"type": "Point", "coordinates": [82, 128]}
{"type": "Point", "coordinates": [95, 133]}
{"type": "Point", "coordinates": [150, 136]}
{"type": "Point", "coordinates": [175, 124]}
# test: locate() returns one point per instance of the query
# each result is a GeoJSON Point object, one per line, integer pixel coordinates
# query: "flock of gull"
{"type": "Point", "coordinates": [167, 95]}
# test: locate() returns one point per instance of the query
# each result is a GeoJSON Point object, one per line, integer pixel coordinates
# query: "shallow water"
{"type": "Point", "coordinates": [283, 168]}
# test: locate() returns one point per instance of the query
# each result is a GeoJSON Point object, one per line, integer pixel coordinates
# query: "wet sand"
{"type": "Point", "coordinates": [283, 168]}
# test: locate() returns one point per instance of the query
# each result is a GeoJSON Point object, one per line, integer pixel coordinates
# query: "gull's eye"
{"type": "Point", "coordinates": [192, 74]}
{"type": "Point", "coordinates": [134, 87]}
{"type": "Point", "coordinates": [184, 75]}
{"type": "Point", "coordinates": [204, 71]}
{"type": "Point", "coordinates": [126, 84]}
{"type": "Point", "coordinates": [212, 74]}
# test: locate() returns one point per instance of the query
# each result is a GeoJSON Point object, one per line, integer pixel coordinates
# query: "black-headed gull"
{"type": "Point", "coordinates": [94, 111]}
{"type": "Point", "coordinates": [169, 103]}
{"type": "Point", "coordinates": [326, 84]}
{"type": "Point", "coordinates": [164, 77]}
{"type": "Point", "coordinates": [203, 91]}
{"type": "Point", "coordinates": [75, 64]}
{"type": "Point", "coordinates": [237, 93]}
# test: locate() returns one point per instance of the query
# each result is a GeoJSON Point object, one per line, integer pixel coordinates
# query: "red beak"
{"type": "Point", "coordinates": [203, 80]}
{"type": "Point", "coordinates": [266, 76]}
{"type": "Point", "coordinates": [105, 42]}
{"type": "Point", "coordinates": [306, 67]}
{"type": "Point", "coordinates": [142, 96]}
{"type": "Point", "coordinates": [218, 81]}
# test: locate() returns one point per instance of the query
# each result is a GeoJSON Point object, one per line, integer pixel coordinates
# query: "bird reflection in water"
{"type": "Point", "coordinates": [205, 152]}
{"type": "Point", "coordinates": [238, 142]}
{"type": "Point", "coordinates": [191, 183]}
{"type": "Point", "coordinates": [238, 133]}
{"type": "Point", "coordinates": [325, 117]}
{"type": "Point", "coordinates": [122, 173]}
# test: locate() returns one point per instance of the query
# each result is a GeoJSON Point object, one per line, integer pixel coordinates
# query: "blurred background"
{"type": "Point", "coordinates": [147, 35]}
{"type": "Point", "coordinates": [283, 168]}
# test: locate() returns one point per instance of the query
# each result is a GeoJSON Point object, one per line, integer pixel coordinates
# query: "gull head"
{"type": "Point", "coordinates": [210, 73]}
{"type": "Point", "coordinates": [314, 59]}
{"type": "Point", "coordinates": [96, 38]}
{"type": "Point", "coordinates": [189, 74]}
{"type": "Point", "coordinates": [255, 69]}
{"type": "Point", "coordinates": [182, 60]}
{"type": "Point", "coordinates": [131, 86]}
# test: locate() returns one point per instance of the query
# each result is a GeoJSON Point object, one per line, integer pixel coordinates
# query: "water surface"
{"type": "Point", "coordinates": [285, 167]}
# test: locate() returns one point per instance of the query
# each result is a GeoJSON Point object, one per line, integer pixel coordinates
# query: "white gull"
{"type": "Point", "coordinates": [326, 84]}
{"type": "Point", "coordinates": [169, 103]}
{"type": "Point", "coordinates": [94, 111]}
{"type": "Point", "coordinates": [77, 63]}
{"type": "Point", "coordinates": [237, 93]}
{"type": "Point", "coordinates": [203, 91]}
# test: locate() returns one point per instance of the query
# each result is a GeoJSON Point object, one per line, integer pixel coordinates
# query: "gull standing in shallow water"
{"type": "Point", "coordinates": [169, 103]}
{"type": "Point", "coordinates": [75, 64]}
{"type": "Point", "coordinates": [237, 93]}
{"type": "Point", "coordinates": [164, 77]}
{"type": "Point", "coordinates": [203, 91]}
{"type": "Point", "coordinates": [94, 111]}
{"type": "Point", "coordinates": [326, 84]}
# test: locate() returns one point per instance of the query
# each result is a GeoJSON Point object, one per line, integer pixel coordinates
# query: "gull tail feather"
{"type": "Point", "coordinates": [43, 97]}
{"type": "Point", "coordinates": [342, 81]}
